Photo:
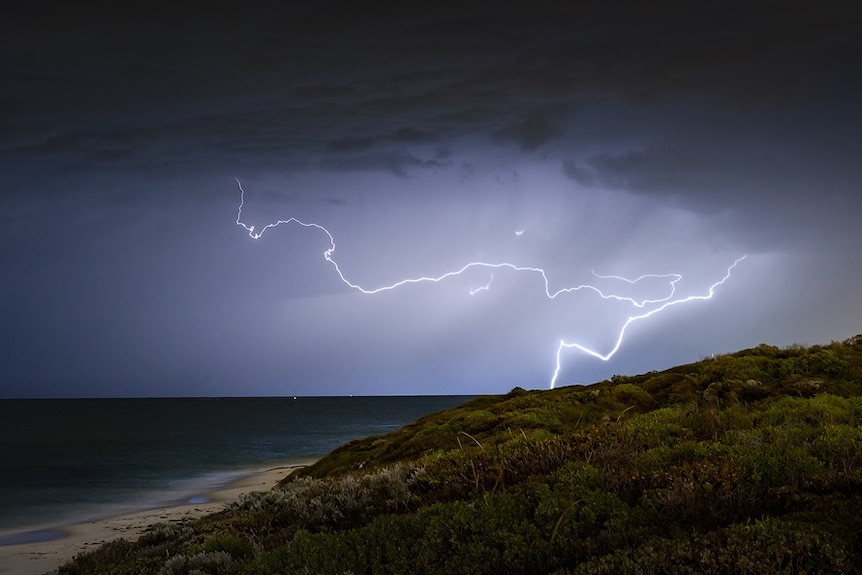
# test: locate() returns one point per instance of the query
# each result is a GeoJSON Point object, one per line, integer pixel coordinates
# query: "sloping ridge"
{"type": "Point", "coordinates": [748, 462]}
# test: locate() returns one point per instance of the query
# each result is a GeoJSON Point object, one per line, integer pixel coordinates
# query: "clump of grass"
{"type": "Point", "coordinates": [208, 563]}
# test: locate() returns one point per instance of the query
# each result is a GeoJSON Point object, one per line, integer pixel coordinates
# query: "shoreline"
{"type": "Point", "coordinates": [41, 550]}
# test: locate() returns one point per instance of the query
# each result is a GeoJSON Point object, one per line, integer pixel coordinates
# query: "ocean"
{"type": "Point", "coordinates": [69, 460]}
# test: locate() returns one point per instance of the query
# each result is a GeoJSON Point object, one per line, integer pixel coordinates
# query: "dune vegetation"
{"type": "Point", "coordinates": [748, 462]}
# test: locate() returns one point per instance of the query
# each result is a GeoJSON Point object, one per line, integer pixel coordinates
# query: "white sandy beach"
{"type": "Point", "coordinates": [36, 558]}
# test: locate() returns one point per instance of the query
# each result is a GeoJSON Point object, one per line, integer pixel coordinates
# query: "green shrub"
{"type": "Point", "coordinates": [631, 394]}
{"type": "Point", "coordinates": [765, 547]}
{"type": "Point", "coordinates": [211, 563]}
{"type": "Point", "coordinates": [236, 547]}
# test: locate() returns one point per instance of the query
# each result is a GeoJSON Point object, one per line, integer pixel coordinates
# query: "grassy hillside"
{"type": "Point", "coordinates": [743, 463]}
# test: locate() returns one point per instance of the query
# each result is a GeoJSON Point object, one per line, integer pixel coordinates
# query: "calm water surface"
{"type": "Point", "coordinates": [72, 459]}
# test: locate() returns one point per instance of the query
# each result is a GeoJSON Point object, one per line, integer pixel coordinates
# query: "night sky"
{"type": "Point", "coordinates": [582, 138]}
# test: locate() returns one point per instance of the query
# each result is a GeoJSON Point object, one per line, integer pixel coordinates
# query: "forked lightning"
{"type": "Point", "coordinates": [652, 306]}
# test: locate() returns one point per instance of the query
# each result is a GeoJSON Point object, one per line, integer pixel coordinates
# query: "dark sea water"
{"type": "Point", "coordinates": [70, 460]}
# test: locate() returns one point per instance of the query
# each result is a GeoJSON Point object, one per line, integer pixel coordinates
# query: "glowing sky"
{"type": "Point", "coordinates": [611, 139]}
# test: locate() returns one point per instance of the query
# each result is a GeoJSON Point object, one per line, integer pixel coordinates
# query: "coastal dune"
{"type": "Point", "coordinates": [36, 557]}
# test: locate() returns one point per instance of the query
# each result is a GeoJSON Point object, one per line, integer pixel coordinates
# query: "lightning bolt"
{"type": "Point", "coordinates": [485, 287]}
{"type": "Point", "coordinates": [661, 303]}
{"type": "Point", "coordinates": [664, 305]}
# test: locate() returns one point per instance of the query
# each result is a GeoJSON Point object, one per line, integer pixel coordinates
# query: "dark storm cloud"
{"type": "Point", "coordinates": [404, 136]}
{"type": "Point", "coordinates": [583, 176]}
{"type": "Point", "coordinates": [302, 86]}
{"type": "Point", "coordinates": [351, 144]}
{"type": "Point", "coordinates": [617, 135]}
{"type": "Point", "coordinates": [399, 164]}
{"type": "Point", "coordinates": [796, 160]}
{"type": "Point", "coordinates": [532, 133]}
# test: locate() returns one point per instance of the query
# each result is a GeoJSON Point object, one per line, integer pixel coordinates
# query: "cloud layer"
{"type": "Point", "coordinates": [613, 137]}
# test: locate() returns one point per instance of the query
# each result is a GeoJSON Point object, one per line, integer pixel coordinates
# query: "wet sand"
{"type": "Point", "coordinates": [34, 557]}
